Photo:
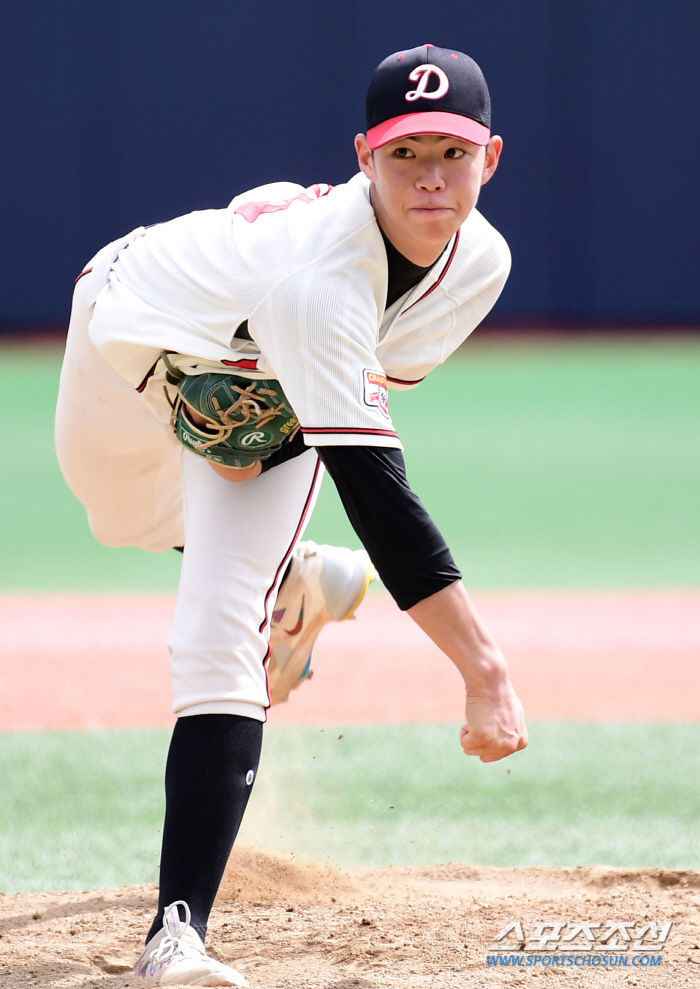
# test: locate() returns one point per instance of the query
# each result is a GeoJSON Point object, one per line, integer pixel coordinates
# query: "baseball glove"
{"type": "Point", "coordinates": [231, 420]}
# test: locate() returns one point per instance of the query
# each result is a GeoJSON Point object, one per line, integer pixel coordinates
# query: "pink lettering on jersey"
{"type": "Point", "coordinates": [251, 211]}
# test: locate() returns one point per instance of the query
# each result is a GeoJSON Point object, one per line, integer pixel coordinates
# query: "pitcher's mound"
{"type": "Point", "coordinates": [255, 876]}
{"type": "Point", "coordinates": [292, 925]}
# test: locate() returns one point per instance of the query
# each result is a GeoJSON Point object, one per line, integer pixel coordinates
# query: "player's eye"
{"type": "Point", "coordinates": [455, 153]}
{"type": "Point", "coordinates": [403, 153]}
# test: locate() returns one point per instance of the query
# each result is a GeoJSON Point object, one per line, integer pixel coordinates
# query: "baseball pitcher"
{"type": "Point", "coordinates": [215, 365]}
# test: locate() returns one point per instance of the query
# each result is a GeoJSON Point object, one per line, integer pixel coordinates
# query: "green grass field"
{"type": "Point", "coordinates": [564, 464]}
{"type": "Point", "coordinates": [559, 464]}
{"type": "Point", "coordinates": [84, 810]}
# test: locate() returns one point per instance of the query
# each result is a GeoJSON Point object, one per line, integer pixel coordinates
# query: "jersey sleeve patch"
{"type": "Point", "coordinates": [375, 391]}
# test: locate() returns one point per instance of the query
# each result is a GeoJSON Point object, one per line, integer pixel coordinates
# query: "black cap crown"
{"type": "Point", "coordinates": [428, 90]}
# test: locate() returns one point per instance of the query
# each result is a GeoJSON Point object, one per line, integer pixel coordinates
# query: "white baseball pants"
{"type": "Point", "coordinates": [141, 488]}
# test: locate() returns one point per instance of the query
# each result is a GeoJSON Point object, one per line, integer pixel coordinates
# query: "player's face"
{"type": "Point", "coordinates": [424, 187]}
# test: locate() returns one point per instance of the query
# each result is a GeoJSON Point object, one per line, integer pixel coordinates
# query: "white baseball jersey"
{"type": "Point", "coordinates": [307, 269]}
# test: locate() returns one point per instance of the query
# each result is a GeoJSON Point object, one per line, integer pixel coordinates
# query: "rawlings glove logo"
{"type": "Point", "coordinates": [257, 438]}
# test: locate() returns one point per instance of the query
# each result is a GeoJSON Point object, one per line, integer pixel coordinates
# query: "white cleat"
{"type": "Point", "coordinates": [324, 584]}
{"type": "Point", "coordinates": [175, 956]}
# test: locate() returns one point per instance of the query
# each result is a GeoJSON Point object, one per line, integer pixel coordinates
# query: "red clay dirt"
{"type": "Point", "coordinates": [291, 925]}
{"type": "Point", "coordinates": [93, 661]}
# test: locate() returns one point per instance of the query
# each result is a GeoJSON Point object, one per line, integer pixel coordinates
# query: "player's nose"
{"type": "Point", "coordinates": [430, 180]}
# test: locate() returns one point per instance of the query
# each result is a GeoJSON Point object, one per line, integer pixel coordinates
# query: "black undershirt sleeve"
{"type": "Point", "coordinates": [402, 540]}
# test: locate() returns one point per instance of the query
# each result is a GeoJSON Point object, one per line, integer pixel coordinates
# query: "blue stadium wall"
{"type": "Point", "coordinates": [129, 112]}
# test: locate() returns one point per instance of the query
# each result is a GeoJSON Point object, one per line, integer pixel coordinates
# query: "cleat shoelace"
{"type": "Point", "coordinates": [170, 945]}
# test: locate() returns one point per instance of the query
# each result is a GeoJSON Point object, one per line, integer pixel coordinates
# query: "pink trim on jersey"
{"type": "Point", "coordinates": [442, 275]}
{"type": "Point", "coordinates": [320, 189]}
{"type": "Point", "coordinates": [344, 430]}
{"type": "Point", "coordinates": [281, 568]}
{"type": "Point", "coordinates": [428, 122]}
{"type": "Point", "coordinates": [251, 211]}
{"type": "Point", "coordinates": [245, 364]}
{"type": "Point", "coordinates": [404, 381]}
{"type": "Point", "coordinates": [85, 272]}
{"type": "Point", "coordinates": [142, 387]}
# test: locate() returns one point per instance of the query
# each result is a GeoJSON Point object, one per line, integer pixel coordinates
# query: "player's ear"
{"type": "Point", "coordinates": [364, 156]}
{"type": "Point", "coordinates": [493, 154]}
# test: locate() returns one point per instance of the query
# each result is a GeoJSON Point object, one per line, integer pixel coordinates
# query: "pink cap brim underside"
{"type": "Point", "coordinates": [435, 122]}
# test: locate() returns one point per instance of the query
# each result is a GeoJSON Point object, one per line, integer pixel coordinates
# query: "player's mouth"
{"type": "Point", "coordinates": [432, 205]}
{"type": "Point", "coordinates": [433, 212]}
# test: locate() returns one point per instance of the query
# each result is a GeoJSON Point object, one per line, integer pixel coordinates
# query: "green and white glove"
{"type": "Point", "coordinates": [228, 419]}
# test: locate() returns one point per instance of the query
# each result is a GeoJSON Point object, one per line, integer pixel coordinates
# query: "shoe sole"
{"type": "Point", "coordinates": [291, 675]}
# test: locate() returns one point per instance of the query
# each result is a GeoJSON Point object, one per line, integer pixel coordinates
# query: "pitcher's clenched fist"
{"type": "Point", "coordinates": [495, 724]}
{"type": "Point", "coordinates": [495, 721]}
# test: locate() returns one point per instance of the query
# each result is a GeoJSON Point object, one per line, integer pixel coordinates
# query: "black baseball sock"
{"type": "Point", "coordinates": [212, 762]}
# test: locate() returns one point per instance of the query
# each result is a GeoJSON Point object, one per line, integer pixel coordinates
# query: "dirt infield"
{"type": "Point", "coordinates": [291, 926]}
{"type": "Point", "coordinates": [94, 661]}
{"type": "Point", "coordinates": [87, 661]}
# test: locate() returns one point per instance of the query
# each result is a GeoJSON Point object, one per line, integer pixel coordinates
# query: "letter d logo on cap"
{"type": "Point", "coordinates": [422, 75]}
